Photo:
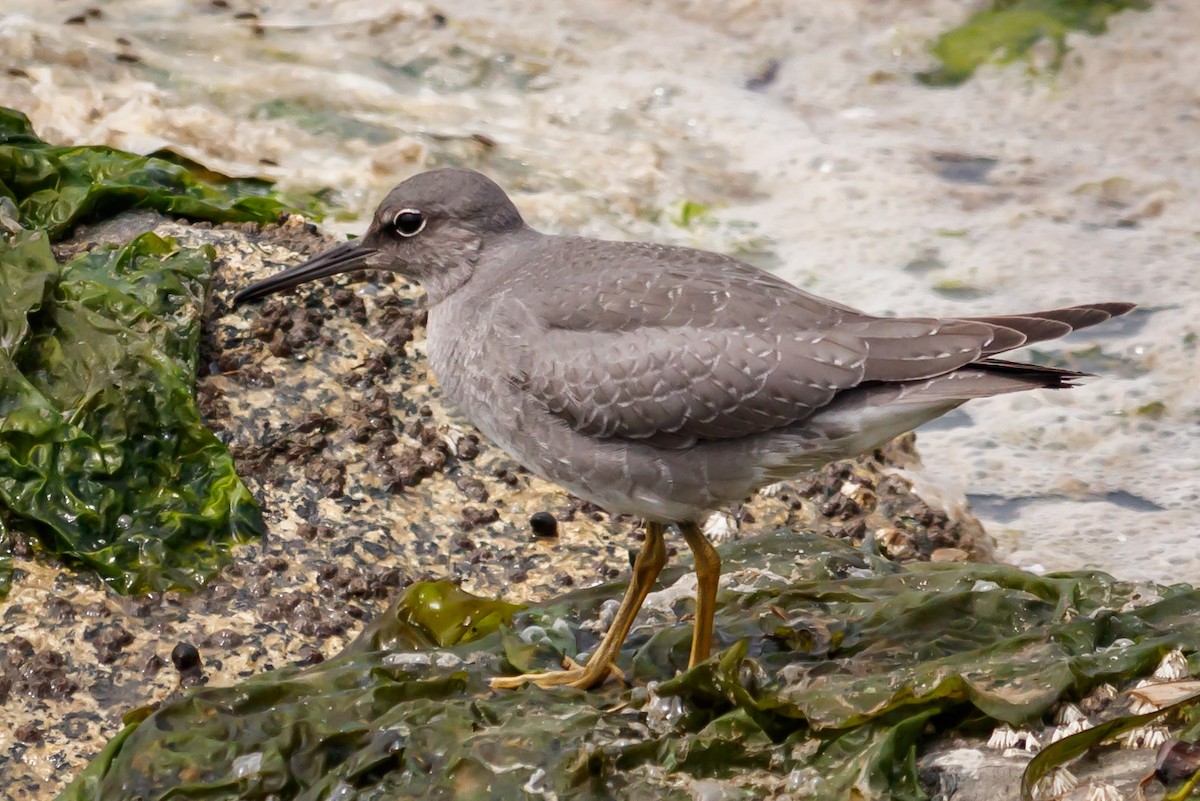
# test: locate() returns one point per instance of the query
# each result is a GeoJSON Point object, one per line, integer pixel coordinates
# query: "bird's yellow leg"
{"type": "Point", "coordinates": [708, 577]}
{"type": "Point", "coordinates": [646, 567]}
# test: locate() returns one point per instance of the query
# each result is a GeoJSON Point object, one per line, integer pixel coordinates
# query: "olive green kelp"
{"type": "Point", "coordinates": [1009, 29]}
{"type": "Point", "coordinates": [103, 455]}
{"type": "Point", "coordinates": [837, 665]}
{"type": "Point", "coordinates": [102, 451]}
{"type": "Point", "coordinates": [56, 186]}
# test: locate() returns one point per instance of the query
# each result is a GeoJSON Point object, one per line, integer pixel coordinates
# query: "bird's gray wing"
{"type": "Point", "coordinates": [672, 346]}
{"type": "Point", "coordinates": [676, 385]}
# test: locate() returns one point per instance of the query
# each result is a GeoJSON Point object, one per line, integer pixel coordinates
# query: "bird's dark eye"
{"type": "Point", "coordinates": [408, 222]}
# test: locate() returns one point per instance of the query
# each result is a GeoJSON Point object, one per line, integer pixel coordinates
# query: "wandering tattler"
{"type": "Point", "coordinates": [661, 381]}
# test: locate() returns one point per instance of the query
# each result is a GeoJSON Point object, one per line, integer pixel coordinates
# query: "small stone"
{"type": "Point", "coordinates": [153, 664]}
{"type": "Point", "coordinates": [468, 447]}
{"type": "Point", "coordinates": [20, 645]}
{"type": "Point", "coordinates": [897, 543]}
{"type": "Point", "coordinates": [949, 555]}
{"type": "Point", "coordinates": [109, 642]}
{"type": "Point", "coordinates": [224, 639]}
{"type": "Point", "coordinates": [543, 524]}
{"type": "Point", "coordinates": [309, 656]}
{"type": "Point", "coordinates": [97, 609]}
{"type": "Point", "coordinates": [473, 488]}
{"type": "Point", "coordinates": [60, 609]}
{"type": "Point", "coordinates": [473, 517]}
{"type": "Point", "coordinates": [28, 733]}
{"type": "Point", "coordinates": [185, 657]}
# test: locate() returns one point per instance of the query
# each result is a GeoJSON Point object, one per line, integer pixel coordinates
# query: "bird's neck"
{"type": "Point", "coordinates": [457, 261]}
{"type": "Point", "coordinates": [452, 267]}
{"type": "Point", "coordinates": [446, 282]}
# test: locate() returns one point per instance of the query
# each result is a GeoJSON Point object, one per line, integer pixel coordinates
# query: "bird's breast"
{"type": "Point", "coordinates": [471, 359]}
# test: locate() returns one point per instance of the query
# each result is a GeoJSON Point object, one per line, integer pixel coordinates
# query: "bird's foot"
{"type": "Point", "coordinates": [576, 675]}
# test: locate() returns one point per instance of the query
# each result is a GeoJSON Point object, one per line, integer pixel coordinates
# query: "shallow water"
{"type": "Point", "coordinates": [800, 124]}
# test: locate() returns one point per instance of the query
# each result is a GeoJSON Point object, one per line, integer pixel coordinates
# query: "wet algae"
{"type": "Point", "coordinates": [1007, 31]}
{"type": "Point", "coordinates": [57, 186]}
{"type": "Point", "coordinates": [104, 458]}
{"type": "Point", "coordinates": [835, 665]}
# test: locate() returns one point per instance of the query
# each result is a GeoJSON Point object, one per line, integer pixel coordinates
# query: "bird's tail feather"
{"type": "Point", "coordinates": [1043, 325]}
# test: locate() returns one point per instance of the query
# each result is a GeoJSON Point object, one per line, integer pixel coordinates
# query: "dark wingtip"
{"type": "Point", "coordinates": [1045, 377]}
{"type": "Point", "coordinates": [1107, 310]}
{"type": "Point", "coordinates": [1116, 308]}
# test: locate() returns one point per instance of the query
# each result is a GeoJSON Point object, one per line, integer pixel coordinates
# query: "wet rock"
{"type": "Point", "coordinates": [42, 674]}
{"type": "Point", "coordinates": [473, 517]}
{"type": "Point", "coordinates": [224, 639]}
{"type": "Point", "coordinates": [110, 642]}
{"type": "Point", "coordinates": [28, 733]}
{"type": "Point", "coordinates": [154, 663]}
{"type": "Point", "coordinates": [949, 555]}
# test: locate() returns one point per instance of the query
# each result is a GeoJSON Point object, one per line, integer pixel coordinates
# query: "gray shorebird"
{"type": "Point", "coordinates": [661, 381]}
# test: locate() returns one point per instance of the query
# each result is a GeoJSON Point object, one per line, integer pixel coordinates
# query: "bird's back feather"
{"type": "Point", "coordinates": [673, 346]}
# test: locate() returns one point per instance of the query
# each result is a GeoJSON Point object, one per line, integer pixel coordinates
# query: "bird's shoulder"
{"type": "Point", "coordinates": [577, 283]}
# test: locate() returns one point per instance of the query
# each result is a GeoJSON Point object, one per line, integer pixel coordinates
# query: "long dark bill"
{"type": "Point", "coordinates": [343, 258]}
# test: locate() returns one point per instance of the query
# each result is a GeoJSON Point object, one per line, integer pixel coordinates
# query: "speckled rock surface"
{"type": "Point", "coordinates": [368, 483]}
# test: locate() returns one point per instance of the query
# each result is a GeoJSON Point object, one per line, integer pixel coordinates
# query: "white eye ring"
{"type": "Point", "coordinates": [412, 224]}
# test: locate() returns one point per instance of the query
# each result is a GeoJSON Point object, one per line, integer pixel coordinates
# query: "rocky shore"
{"type": "Point", "coordinates": [368, 484]}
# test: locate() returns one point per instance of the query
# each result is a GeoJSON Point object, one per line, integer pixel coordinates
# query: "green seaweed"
{"type": "Point", "coordinates": [103, 455]}
{"type": "Point", "coordinates": [957, 289]}
{"type": "Point", "coordinates": [439, 614]}
{"type": "Point", "coordinates": [686, 213]}
{"type": "Point", "coordinates": [6, 555]}
{"type": "Point", "coordinates": [1005, 33]}
{"type": "Point", "coordinates": [57, 186]}
{"type": "Point", "coordinates": [1153, 410]}
{"type": "Point", "coordinates": [836, 665]}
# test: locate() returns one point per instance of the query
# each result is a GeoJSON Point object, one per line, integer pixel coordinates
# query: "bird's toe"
{"type": "Point", "coordinates": [582, 677]}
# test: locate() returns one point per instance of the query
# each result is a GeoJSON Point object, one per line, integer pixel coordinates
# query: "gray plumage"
{"type": "Point", "coordinates": [663, 381]}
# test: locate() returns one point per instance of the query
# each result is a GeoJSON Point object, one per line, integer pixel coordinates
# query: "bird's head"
{"type": "Point", "coordinates": [430, 228]}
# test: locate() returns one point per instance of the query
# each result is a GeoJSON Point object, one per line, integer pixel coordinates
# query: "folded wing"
{"type": "Point", "coordinates": [724, 351]}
